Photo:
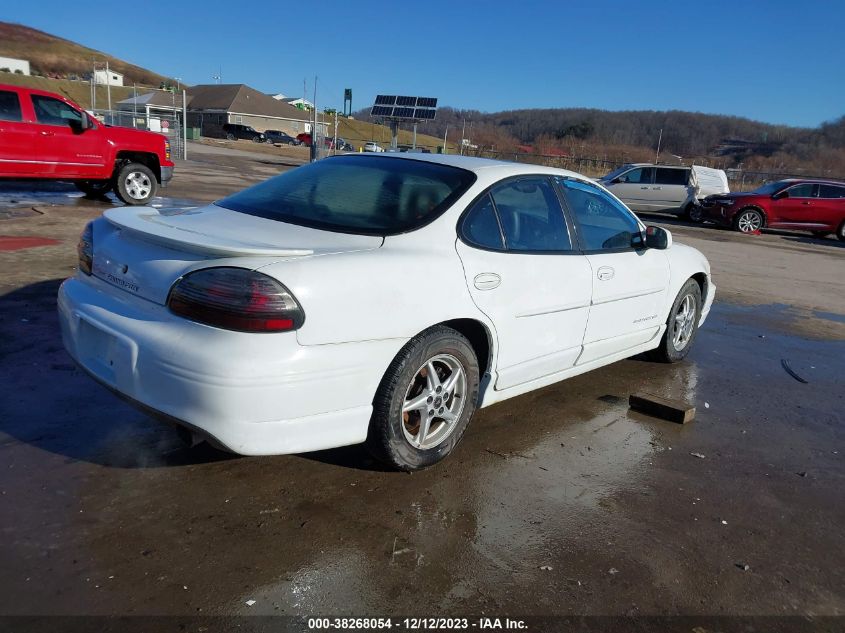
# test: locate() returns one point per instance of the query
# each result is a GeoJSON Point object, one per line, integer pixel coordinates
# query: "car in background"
{"type": "Point", "coordinates": [472, 281]}
{"type": "Point", "coordinates": [675, 189]}
{"type": "Point", "coordinates": [304, 138]}
{"type": "Point", "coordinates": [46, 136]}
{"type": "Point", "coordinates": [277, 137]}
{"type": "Point", "coordinates": [372, 146]}
{"type": "Point", "coordinates": [817, 206]}
{"type": "Point", "coordinates": [234, 131]}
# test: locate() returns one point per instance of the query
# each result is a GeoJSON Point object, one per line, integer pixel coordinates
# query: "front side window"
{"type": "Point", "coordinates": [531, 216]}
{"type": "Point", "coordinates": [641, 175]}
{"type": "Point", "coordinates": [831, 191]}
{"type": "Point", "coordinates": [10, 106]}
{"type": "Point", "coordinates": [804, 190]}
{"type": "Point", "coordinates": [52, 111]}
{"type": "Point", "coordinates": [369, 195]}
{"type": "Point", "coordinates": [603, 222]}
{"type": "Point", "coordinates": [667, 176]}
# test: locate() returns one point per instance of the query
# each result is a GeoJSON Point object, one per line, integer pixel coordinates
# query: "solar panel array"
{"type": "Point", "coordinates": [403, 107]}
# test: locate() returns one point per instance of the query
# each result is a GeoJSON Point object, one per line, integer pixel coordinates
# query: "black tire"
{"type": "Point", "coordinates": [749, 220]}
{"type": "Point", "coordinates": [136, 184]}
{"type": "Point", "coordinates": [820, 234]}
{"type": "Point", "coordinates": [256, 139]}
{"type": "Point", "coordinates": [840, 232]}
{"type": "Point", "coordinates": [388, 436]}
{"type": "Point", "coordinates": [668, 351]}
{"type": "Point", "coordinates": [94, 188]}
{"type": "Point", "coordinates": [694, 213]}
{"type": "Point", "coordinates": [230, 137]}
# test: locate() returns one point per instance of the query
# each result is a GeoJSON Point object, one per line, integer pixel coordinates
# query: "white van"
{"type": "Point", "coordinates": [665, 188]}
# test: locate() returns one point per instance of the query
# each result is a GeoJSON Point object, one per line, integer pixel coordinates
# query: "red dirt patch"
{"type": "Point", "coordinates": [17, 243]}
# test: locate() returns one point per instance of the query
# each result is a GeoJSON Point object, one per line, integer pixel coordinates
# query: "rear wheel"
{"type": "Point", "coordinates": [682, 325]}
{"type": "Point", "coordinates": [425, 400]}
{"type": "Point", "coordinates": [94, 188]}
{"type": "Point", "coordinates": [840, 232]}
{"type": "Point", "coordinates": [230, 137]}
{"type": "Point", "coordinates": [136, 184]}
{"type": "Point", "coordinates": [748, 221]}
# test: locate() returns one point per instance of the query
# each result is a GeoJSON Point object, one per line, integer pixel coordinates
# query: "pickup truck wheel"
{"type": "Point", "coordinates": [136, 184]}
{"type": "Point", "coordinates": [95, 188]}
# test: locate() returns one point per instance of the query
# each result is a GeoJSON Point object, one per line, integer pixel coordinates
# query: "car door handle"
{"type": "Point", "coordinates": [807, 202]}
{"type": "Point", "coordinates": [605, 273]}
{"type": "Point", "coordinates": [643, 187]}
{"type": "Point", "coordinates": [47, 133]}
{"type": "Point", "coordinates": [487, 281]}
{"type": "Point", "coordinates": [657, 188]}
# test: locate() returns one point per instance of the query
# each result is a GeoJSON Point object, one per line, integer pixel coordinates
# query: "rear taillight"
{"type": "Point", "coordinates": [236, 299]}
{"type": "Point", "coordinates": [85, 249]}
{"type": "Point", "coordinates": [167, 149]}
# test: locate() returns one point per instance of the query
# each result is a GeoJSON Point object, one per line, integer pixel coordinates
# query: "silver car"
{"type": "Point", "coordinates": [646, 187]}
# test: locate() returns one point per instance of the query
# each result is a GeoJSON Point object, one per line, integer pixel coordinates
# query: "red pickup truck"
{"type": "Point", "coordinates": [46, 136]}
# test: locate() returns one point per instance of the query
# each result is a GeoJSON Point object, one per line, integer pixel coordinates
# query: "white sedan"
{"type": "Point", "coordinates": [378, 299]}
{"type": "Point", "coordinates": [372, 146]}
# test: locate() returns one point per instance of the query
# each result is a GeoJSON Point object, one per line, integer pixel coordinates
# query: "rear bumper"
{"type": "Point", "coordinates": [254, 394]}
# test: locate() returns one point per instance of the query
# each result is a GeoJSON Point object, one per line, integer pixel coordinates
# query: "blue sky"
{"type": "Point", "coordinates": [774, 61]}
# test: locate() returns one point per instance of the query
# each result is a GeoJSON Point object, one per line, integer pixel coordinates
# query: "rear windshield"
{"type": "Point", "coordinates": [356, 194]}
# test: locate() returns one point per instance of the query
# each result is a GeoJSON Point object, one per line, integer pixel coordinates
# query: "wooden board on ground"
{"type": "Point", "coordinates": [671, 410]}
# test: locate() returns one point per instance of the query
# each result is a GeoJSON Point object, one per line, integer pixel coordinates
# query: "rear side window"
{"type": "Point", "coordinates": [604, 224]}
{"type": "Point", "coordinates": [54, 112]}
{"type": "Point", "coordinates": [531, 216]}
{"type": "Point", "coordinates": [481, 227]}
{"type": "Point", "coordinates": [10, 106]}
{"type": "Point", "coordinates": [665, 176]}
{"type": "Point", "coordinates": [831, 191]}
{"type": "Point", "coordinates": [370, 195]}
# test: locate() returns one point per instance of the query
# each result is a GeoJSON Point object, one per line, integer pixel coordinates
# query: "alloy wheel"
{"type": "Point", "coordinates": [434, 401]}
{"type": "Point", "coordinates": [684, 322]}
{"type": "Point", "coordinates": [749, 222]}
{"type": "Point", "coordinates": [138, 185]}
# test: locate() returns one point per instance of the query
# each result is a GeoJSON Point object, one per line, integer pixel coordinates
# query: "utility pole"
{"type": "Point", "coordinates": [659, 139]}
{"type": "Point", "coordinates": [415, 136]}
{"type": "Point", "coordinates": [108, 85]}
{"type": "Point", "coordinates": [134, 105]}
{"type": "Point", "coordinates": [463, 129]}
{"type": "Point", "coordinates": [184, 126]}
{"type": "Point", "coordinates": [334, 144]}
{"type": "Point", "coordinates": [314, 153]}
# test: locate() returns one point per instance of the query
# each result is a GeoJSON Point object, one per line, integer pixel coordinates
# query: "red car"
{"type": "Point", "coordinates": [817, 206]}
{"type": "Point", "coordinates": [43, 135]}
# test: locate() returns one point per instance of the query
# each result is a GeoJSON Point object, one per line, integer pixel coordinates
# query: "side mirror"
{"type": "Point", "coordinates": [616, 181]}
{"type": "Point", "coordinates": [658, 238]}
{"type": "Point", "coordinates": [84, 122]}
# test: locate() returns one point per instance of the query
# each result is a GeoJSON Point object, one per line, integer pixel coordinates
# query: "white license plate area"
{"type": "Point", "coordinates": [102, 352]}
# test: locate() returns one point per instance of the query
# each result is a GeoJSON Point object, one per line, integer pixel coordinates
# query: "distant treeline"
{"type": "Point", "coordinates": [726, 140]}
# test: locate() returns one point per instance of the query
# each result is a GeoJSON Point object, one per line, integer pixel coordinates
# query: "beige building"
{"type": "Point", "coordinates": [212, 105]}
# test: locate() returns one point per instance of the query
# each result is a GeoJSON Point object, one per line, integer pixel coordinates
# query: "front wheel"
{"type": "Point", "coordinates": [840, 232]}
{"type": "Point", "coordinates": [94, 188]}
{"type": "Point", "coordinates": [748, 221]}
{"type": "Point", "coordinates": [136, 184]}
{"type": "Point", "coordinates": [695, 213]}
{"type": "Point", "coordinates": [425, 400]}
{"type": "Point", "coordinates": [682, 325]}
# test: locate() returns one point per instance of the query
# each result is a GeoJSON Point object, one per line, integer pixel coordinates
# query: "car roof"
{"type": "Point", "coordinates": [656, 165]}
{"type": "Point", "coordinates": [821, 181]}
{"type": "Point", "coordinates": [476, 165]}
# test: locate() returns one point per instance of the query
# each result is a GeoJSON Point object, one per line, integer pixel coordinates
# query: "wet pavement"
{"type": "Point", "coordinates": [561, 501]}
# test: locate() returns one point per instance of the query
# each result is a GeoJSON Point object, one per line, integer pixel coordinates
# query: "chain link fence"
{"type": "Point", "coordinates": [169, 124]}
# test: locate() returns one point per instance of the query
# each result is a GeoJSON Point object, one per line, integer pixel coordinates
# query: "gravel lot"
{"type": "Point", "coordinates": [559, 502]}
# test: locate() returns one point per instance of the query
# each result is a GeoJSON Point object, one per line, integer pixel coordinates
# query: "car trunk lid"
{"type": "Point", "coordinates": [144, 251]}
